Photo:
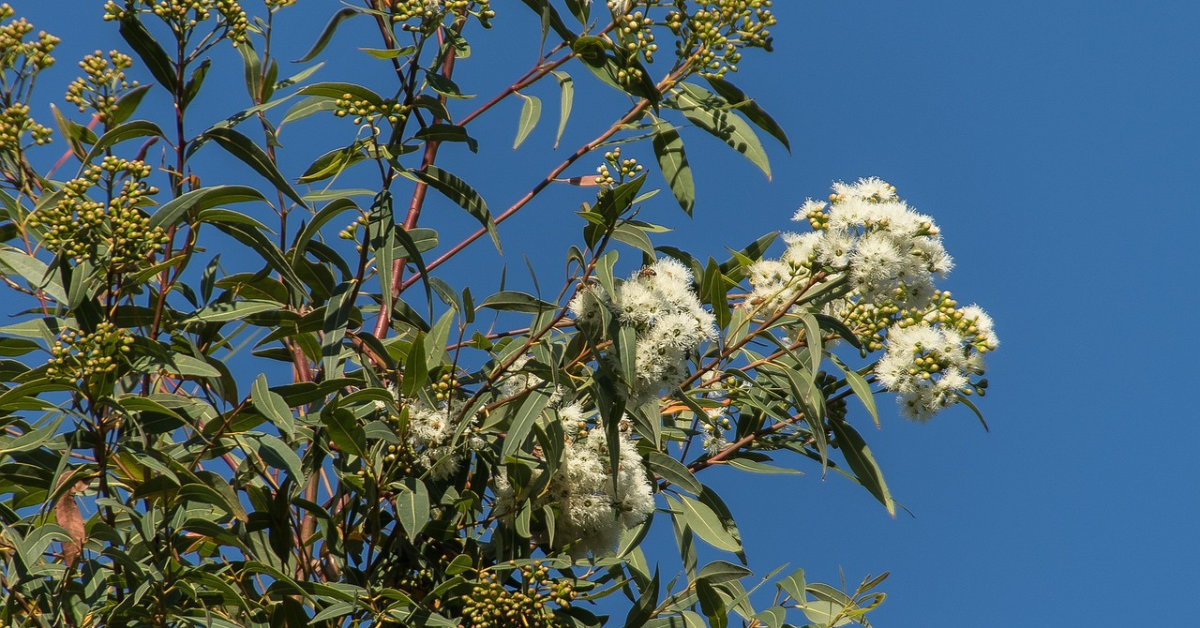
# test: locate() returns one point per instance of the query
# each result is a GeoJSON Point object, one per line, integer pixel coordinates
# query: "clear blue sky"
{"type": "Point", "coordinates": [1056, 145]}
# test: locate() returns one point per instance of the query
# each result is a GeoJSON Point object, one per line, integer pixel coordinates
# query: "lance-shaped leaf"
{"type": "Point", "coordinates": [566, 87]}
{"type": "Point", "coordinates": [749, 108]}
{"type": "Point", "coordinates": [199, 200]}
{"type": "Point", "coordinates": [531, 112]}
{"type": "Point", "coordinates": [337, 317]}
{"type": "Point", "coordinates": [704, 521]}
{"type": "Point", "coordinates": [327, 33]}
{"type": "Point", "coordinates": [668, 149]}
{"type": "Point", "coordinates": [249, 153]}
{"type": "Point", "coordinates": [673, 471]}
{"type": "Point", "coordinates": [462, 194]}
{"type": "Point", "coordinates": [512, 301]}
{"type": "Point", "coordinates": [862, 463]}
{"type": "Point", "coordinates": [148, 50]}
{"type": "Point", "coordinates": [447, 133]}
{"type": "Point", "coordinates": [272, 406]}
{"type": "Point", "coordinates": [127, 131]}
{"type": "Point", "coordinates": [531, 408]}
{"type": "Point", "coordinates": [711, 113]}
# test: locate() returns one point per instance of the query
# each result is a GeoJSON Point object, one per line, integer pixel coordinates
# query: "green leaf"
{"type": "Point", "coordinates": [720, 571]}
{"type": "Point", "coordinates": [707, 525]}
{"type": "Point", "coordinates": [76, 134]}
{"type": "Point", "coordinates": [531, 112]}
{"type": "Point", "coordinates": [128, 103]}
{"type": "Point", "coordinates": [711, 113]}
{"type": "Point", "coordinates": [823, 613]}
{"type": "Point", "coordinates": [553, 19]}
{"type": "Point", "coordinates": [340, 90]}
{"type": "Point", "coordinates": [794, 585]}
{"type": "Point", "coordinates": [279, 455]}
{"type": "Point", "coordinates": [566, 87]}
{"type": "Point", "coordinates": [191, 203]}
{"type": "Point", "coordinates": [149, 51]}
{"type": "Point", "coordinates": [862, 389]}
{"type": "Point", "coordinates": [127, 131]}
{"type": "Point", "coordinates": [712, 604]}
{"type": "Point", "coordinates": [332, 163]}
{"type": "Point", "coordinates": [333, 328]}
{"type": "Point", "coordinates": [749, 108]}
{"type": "Point", "coordinates": [309, 233]}
{"type": "Point", "coordinates": [272, 406]}
{"type": "Point", "coordinates": [344, 430]}
{"type": "Point", "coordinates": [249, 153]}
{"type": "Point", "coordinates": [447, 133]}
{"type": "Point", "coordinates": [531, 408]}
{"type": "Point", "coordinates": [412, 506]}
{"type": "Point", "coordinates": [31, 439]}
{"type": "Point", "coordinates": [327, 33]}
{"type": "Point", "coordinates": [31, 269]}
{"type": "Point", "coordinates": [308, 107]}
{"type": "Point", "coordinates": [862, 463]}
{"type": "Point", "coordinates": [674, 471]}
{"type": "Point", "coordinates": [192, 87]}
{"type": "Point", "coordinates": [416, 368]}
{"type": "Point", "coordinates": [754, 466]}
{"type": "Point", "coordinates": [668, 149]}
{"type": "Point", "coordinates": [643, 609]}
{"type": "Point", "coordinates": [462, 194]}
{"type": "Point", "coordinates": [445, 86]}
{"type": "Point", "coordinates": [256, 241]}
{"type": "Point", "coordinates": [963, 399]}
{"type": "Point", "coordinates": [222, 312]}
{"type": "Point", "coordinates": [512, 301]}
{"type": "Point", "coordinates": [385, 53]}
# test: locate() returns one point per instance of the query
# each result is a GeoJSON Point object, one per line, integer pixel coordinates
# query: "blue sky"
{"type": "Point", "coordinates": [1056, 145]}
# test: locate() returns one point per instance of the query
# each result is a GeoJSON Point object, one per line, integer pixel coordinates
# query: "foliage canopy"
{"type": "Point", "coordinates": [260, 405]}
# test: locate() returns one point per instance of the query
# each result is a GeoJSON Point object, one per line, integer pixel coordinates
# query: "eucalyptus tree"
{"type": "Point", "coordinates": [262, 405]}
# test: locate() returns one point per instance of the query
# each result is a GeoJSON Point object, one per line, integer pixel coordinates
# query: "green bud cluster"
{"type": "Point", "coordinates": [364, 111]}
{"type": "Point", "coordinates": [634, 30]}
{"type": "Point", "coordinates": [625, 168]}
{"type": "Point", "coordinates": [493, 604]}
{"type": "Point", "coordinates": [718, 30]}
{"type": "Point", "coordinates": [184, 16]}
{"type": "Point", "coordinates": [117, 235]}
{"type": "Point", "coordinates": [14, 123]}
{"type": "Point", "coordinates": [434, 11]}
{"type": "Point", "coordinates": [20, 62]}
{"type": "Point", "coordinates": [351, 230]}
{"type": "Point", "coordinates": [102, 84]}
{"type": "Point", "coordinates": [15, 52]}
{"type": "Point", "coordinates": [77, 357]}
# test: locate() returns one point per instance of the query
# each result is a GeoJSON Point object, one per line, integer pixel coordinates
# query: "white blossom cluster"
{"type": "Point", "coordinates": [888, 255]}
{"type": "Point", "coordinates": [889, 252]}
{"type": "Point", "coordinates": [658, 302]}
{"type": "Point", "coordinates": [431, 436]}
{"type": "Point", "coordinates": [591, 513]}
{"type": "Point", "coordinates": [930, 364]}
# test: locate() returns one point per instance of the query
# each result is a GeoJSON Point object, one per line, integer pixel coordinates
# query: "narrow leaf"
{"type": "Point", "coordinates": [531, 112]}
{"type": "Point", "coordinates": [462, 194]}
{"type": "Point", "coordinates": [252, 155]}
{"type": "Point", "coordinates": [327, 33]}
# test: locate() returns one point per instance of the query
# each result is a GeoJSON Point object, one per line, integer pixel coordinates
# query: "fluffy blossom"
{"type": "Point", "coordinates": [658, 303]}
{"type": "Point", "coordinates": [433, 435]}
{"type": "Point", "coordinates": [591, 514]}
{"type": "Point", "coordinates": [887, 256]}
{"type": "Point", "coordinates": [889, 252]}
